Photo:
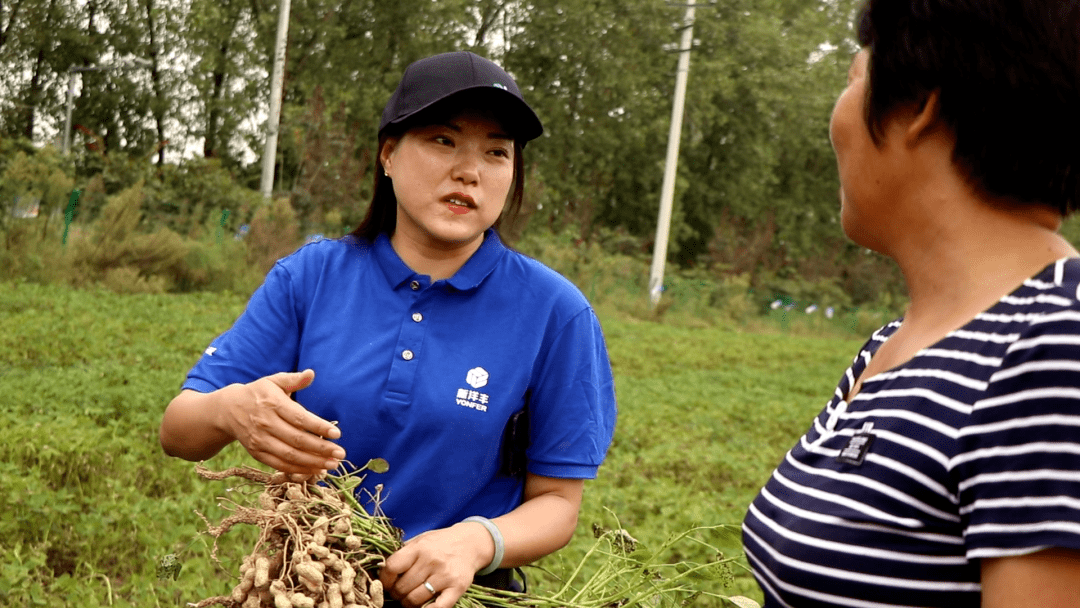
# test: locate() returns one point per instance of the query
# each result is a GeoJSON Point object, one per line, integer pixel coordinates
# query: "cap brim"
{"type": "Point", "coordinates": [521, 121]}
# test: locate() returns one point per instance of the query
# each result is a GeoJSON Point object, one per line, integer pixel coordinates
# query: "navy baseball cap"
{"type": "Point", "coordinates": [428, 81]}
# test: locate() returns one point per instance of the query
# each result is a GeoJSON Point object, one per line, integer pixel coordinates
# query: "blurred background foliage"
{"type": "Point", "coordinates": [168, 108]}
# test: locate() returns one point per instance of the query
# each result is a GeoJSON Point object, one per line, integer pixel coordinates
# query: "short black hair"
{"type": "Point", "coordinates": [1008, 76]}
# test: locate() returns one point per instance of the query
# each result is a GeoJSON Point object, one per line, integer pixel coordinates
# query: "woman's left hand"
{"type": "Point", "coordinates": [445, 559]}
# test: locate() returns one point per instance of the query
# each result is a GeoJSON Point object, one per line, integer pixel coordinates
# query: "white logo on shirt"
{"type": "Point", "coordinates": [210, 350]}
{"type": "Point", "coordinates": [477, 377]}
{"type": "Point", "coordinates": [472, 399]}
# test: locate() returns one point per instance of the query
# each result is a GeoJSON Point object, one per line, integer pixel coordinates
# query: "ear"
{"type": "Point", "coordinates": [924, 119]}
{"type": "Point", "coordinates": [387, 152]}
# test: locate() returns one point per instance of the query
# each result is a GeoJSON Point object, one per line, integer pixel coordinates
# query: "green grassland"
{"type": "Point", "coordinates": [88, 503]}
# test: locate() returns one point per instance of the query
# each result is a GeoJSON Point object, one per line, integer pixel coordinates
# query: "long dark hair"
{"type": "Point", "coordinates": [381, 216]}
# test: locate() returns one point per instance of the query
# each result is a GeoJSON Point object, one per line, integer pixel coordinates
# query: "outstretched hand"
{"type": "Point", "coordinates": [278, 431]}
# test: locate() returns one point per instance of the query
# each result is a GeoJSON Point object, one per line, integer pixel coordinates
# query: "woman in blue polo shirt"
{"type": "Point", "coordinates": [944, 470]}
{"type": "Point", "coordinates": [423, 337]}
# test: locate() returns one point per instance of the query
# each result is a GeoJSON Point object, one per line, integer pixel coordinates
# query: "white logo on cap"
{"type": "Point", "coordinates": [499, 85]}
{"type": "Point", "coordinates": [477, 377]}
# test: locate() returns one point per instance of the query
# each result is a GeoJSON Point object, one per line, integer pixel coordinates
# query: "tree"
{"type": "Point", "coordinates": [347, 57]}
{"type": "Point", "coordinates": [756, 167]}
{"type": "Point", "coordinates": [228, 71]}
{"type": "Point", "coordinates": [599, 78]}
{"type": "Point", "coordinates": [756, 142]}
{"type": "Point", "coordinates": [35, 45]}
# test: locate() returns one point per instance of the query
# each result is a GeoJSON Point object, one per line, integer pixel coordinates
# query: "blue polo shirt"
{"type": "Point", "coordinates": [426, 374]}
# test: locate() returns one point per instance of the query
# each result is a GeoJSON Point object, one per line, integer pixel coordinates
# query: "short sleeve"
{"type": "Point", "coordinates": [572, 409]}
{"type": "Point", "coordinates": [1018, 466]}
{"type": "Point", "coordinates": [264, 339]}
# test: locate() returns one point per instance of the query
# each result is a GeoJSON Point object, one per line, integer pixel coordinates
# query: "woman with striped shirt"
{"type": "Point", "coordinates": [945, 469]}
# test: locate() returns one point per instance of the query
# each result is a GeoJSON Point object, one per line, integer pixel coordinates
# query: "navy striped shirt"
{"type": "Point", "coordinates": [971, 449]}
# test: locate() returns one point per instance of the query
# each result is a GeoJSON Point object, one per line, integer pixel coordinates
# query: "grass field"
{"type": "Point", "coordinates": [89, 503]}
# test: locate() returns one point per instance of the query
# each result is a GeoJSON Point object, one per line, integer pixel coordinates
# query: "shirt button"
{"type": "Point", "coordinates": [407, 355]}
{"type": "Point", "coordinates": [417, 317]}
{"type": "Point", "coordinates": [415, 285]}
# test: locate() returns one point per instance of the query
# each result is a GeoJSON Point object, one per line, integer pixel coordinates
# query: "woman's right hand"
{"type": "Point", "coordinates": [262, 416]}
{"type": "Point", "coordinates": [279, 432]}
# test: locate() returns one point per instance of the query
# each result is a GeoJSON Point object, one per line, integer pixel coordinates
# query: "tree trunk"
{"type": "Point", "coordinates": [214, 106]}
{"type": "Point", "coordinates": [34, 94]}
{"type": "Point", "coordinates": [5, 29]}
{"type": "Point", "coordinates": [158, 107]}
{"type": "Point", "coordinates": [488, 18]}
{"type": "Point", "coordinates": [213, 114]}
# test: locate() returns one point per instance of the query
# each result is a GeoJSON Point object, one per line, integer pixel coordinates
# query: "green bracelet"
{"type": "Point", "coordinates": [496, 536]}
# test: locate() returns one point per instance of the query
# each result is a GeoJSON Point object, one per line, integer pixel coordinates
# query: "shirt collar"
{"type": "Point", "coordinates": [469, 276]}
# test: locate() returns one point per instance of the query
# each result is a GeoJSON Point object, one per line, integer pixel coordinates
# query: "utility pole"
{"type": "Point", "coordinates": [266, 185]}
{"type": "Point", "coordinates": [667, 190]}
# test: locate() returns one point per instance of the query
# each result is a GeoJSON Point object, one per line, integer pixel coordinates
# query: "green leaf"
{"type": "Point", "coordinates": [169, 567]}
{"type": "Point", "coordinates": [376, 465]}
{"type": "Point", "coordinates": [641, 556]}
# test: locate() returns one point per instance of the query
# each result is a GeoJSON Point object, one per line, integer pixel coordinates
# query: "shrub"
{"type": "Point", "coordinates": [123, 258]}
{"type": "Point", "coordinates": [127, 279]}
{"type": "Point", "coordinates": [612, 270]}
{"type": "Point", "coordinates": [274, 234]}
{"type": "Point", "coordinates": [42, 176]}
{"type": "Point", "coordinates": [37, 178]}
{"type": "Point", "coordinates": [33, 252]}
{"type": "Point", "coordinates": [189, 197]}
{"type": "Point", "coordinates": [218, 264]}
{"type": "Point", "coordinates": [92, 200]}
